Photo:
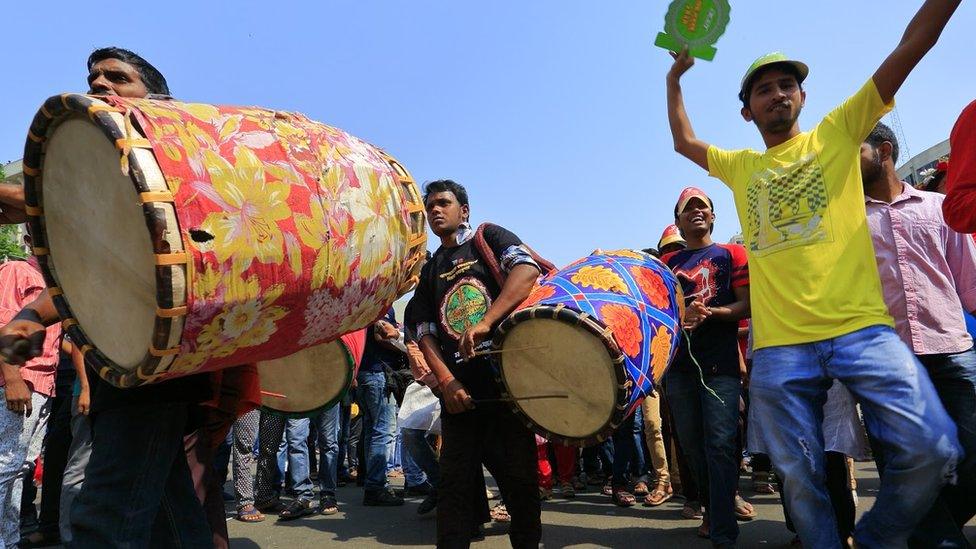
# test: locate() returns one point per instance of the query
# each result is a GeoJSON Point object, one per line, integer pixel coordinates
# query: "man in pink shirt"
{"type": "Point", "coordinates": [27, 391]}
{"type": "Point", "coordinates": [928, 277]}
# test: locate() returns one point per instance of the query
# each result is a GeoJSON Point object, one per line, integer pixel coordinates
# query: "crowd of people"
{"type": "Point", "coordinates": [834, 330]}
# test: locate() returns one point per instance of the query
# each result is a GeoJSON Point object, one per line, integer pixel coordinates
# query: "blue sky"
{"type": "Point", "coordinates": [552, 113]}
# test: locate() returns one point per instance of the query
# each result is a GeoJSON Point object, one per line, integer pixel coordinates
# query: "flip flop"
{"type": "Point", "coordinates": [623, 498]}
{"type": "Point", "coordinates": [657, 497]}
{"type": "Point", "coordinates": [743, 509]}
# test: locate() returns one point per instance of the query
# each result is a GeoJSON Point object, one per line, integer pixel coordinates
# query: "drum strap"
{"type": "Point", "coordinates": [488, 255]}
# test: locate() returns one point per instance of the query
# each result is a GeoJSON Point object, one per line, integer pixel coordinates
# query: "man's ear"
{"type": "Point", "coordinates": [885, 150]}
{"type": "Point", "coordinates": [746, 114]}
{"type": "Point", "coordinates": [466, 212]}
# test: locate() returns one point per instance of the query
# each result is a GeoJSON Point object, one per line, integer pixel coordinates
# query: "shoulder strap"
{"type": "Point", "coordinates": [488, 255]}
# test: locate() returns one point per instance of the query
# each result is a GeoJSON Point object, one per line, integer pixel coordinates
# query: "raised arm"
{"type": "Point", "coordinates": [685, 141]}
{"type": "Point", "coordinates": [922, 33]}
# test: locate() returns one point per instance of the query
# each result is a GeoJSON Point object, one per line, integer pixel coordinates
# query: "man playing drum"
{"type": "Point", "coordinates": [815, 292]}
{"type": "Point", "coordinates": [456, 307]}
{"type": "Point", "coordinates": [138, 471]}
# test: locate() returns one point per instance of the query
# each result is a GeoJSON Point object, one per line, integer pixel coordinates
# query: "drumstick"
{"type": "Point", "coordinates": [499, 351]}
{"type": "Point", "coordinates": [516, 399]}
{"type": "Point", "coordinates": [270, 394]}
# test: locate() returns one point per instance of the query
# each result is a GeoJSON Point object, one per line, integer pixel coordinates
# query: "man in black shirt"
{"type": "Point", "coordinates": [455, 309]}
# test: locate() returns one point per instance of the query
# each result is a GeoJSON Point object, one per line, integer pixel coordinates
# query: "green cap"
{"type": "Point", "coordinates": [772, 59]}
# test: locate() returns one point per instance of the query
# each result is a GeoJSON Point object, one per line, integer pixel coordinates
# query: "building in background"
{"type": "Point", "coordinates": [927, 159]}
{"type": "Point", "coordinates": [13, 174]}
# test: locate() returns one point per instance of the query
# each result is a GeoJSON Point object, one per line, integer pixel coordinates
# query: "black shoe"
{"type": "Point", "coordinates": [429, 504]}
{"type": "Point", "coordinates": [296, 509]}
{"type": "Point", "coordinates": [419, 490]}
{"type": "Point", "coordinates": [381, 498]}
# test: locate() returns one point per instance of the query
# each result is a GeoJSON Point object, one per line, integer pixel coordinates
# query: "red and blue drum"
{"type": "Point", "coordinates": [600, 331]}
{"type": "Point", "coordinates": [179, 238]}
{"type": "Point", "coordinates": [311, 380]}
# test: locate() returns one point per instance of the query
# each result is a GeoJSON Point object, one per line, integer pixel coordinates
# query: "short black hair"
{"type": "Point", "coordinates": [746, 93]}
{"type": "Point", "coordinates": [445, 186]}
{"type": "Point", "coordinates": [151, 77]}
{"type": "Point", "coordinates": [879, 135]}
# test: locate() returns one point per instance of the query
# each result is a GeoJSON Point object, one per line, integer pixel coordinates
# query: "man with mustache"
{"type": "Point", "coordinates": [815, 291]}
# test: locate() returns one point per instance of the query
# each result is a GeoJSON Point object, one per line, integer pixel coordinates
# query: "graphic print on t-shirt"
{"type": "Point", "coordinates": [463, 306]}
{"type": "Point", "coordinates": [787, 207]}
{"type": "Point", "coordinates": [702, 280]}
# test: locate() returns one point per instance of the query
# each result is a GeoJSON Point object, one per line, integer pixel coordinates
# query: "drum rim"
{"type": "Point", "coordinates": [55, 110]}
{"type": "Point", "coordinates": [595, 327]}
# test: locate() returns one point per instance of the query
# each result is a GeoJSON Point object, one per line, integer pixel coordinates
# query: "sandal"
{"type": "Point", "coordinates": [623, 498]}
{"type": "Point", "coordinates": [661, 494]}
{"type": "Point", "coordinates": [328, 506]}
{"type": "Point", "coordinates": [249, 513]}
{"type": "Point", "coordinates": [641, 489]}
{"type": "Point", "coordinates": [499, 513]}
{"type": "Point", "coordinates": [607, 489]}
{"type": "Point", "coordinates": [296, 509]}
{"type": "Point", "coordinates": [743, 509]}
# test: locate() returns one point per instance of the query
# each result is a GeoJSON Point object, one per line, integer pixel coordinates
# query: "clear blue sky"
{"type": "Point", "coordinates": [552, 113]}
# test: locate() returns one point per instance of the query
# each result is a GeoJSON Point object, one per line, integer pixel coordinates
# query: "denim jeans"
{"type": "Point", "coordinates": [417, 449]}
{"type": "Point", "coordinates": [628, 454]}
{"type": "Point", "coordinates": [706, 428]}
{"type": "Point", "coordinates": [954, 377]}
{"type": "Point", "coordinates": [379, 418]}
{"type": "Point", "coordinates": [901, 410]}
{"type": "Point", "coordinates": [296, 437]}
{"type": "Point", "coordinates": [138, 490]}
{"type": "Point", "coordinates": [327, 425]}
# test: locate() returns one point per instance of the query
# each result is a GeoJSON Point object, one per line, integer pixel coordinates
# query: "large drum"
{"type": "Point", "coordinates": [181, 238]}
{"type": "Point", "coordinates": [313, 379]}
{"type": "Point", "coordinates": [599, 332]}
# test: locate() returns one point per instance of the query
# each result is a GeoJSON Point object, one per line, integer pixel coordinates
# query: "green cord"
{"type": "Point", "coordinates": [701, 375]}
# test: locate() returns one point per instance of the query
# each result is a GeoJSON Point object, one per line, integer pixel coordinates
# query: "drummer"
{"type": "Point", "coordinates": [456, 307]}
{"type": "Point", "coordinates": [138, 469]}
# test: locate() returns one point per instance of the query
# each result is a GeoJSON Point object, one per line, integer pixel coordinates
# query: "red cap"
{"type": "Point", "coordinates": [686, 196]}
{"type": "Point", "coordinates": [671, 235]}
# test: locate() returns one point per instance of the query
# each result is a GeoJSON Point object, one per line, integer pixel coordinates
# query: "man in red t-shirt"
{"type": "Point", "coordinates": [959, 207]}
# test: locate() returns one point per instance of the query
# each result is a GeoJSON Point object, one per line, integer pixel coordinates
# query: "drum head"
{"type": "Point", "coordinates": [99, 243]}
{"type": "Point", "coordinates": [303, 383]}
{"type": "Point", "coordinates": [574, 362]}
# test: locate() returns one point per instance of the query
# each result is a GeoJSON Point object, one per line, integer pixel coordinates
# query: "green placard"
{"type": "Point", "coordinates": [697, 24]}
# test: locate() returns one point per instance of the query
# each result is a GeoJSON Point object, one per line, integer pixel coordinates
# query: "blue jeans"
{"type": "Point", "coordinates": [377, 411]}
{"type": "Point", "coordinates": [418, 451]}
{"type": "Point", "coordinates": [901, 410]}
{"type": "Point", "coordinates": [628, 452]}
{"type": "Point", "coordinates": [327, 424]}
{"type": "Point", "coordinates": [954, 377]}
{"type": "Point", "coordinates": [138, 490]}
{"type": "Point", "coordinates": [296, 438]}
{"type": "Point", "coordinates": [706, 429]}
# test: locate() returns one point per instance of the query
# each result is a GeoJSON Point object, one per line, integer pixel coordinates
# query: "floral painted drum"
{"type": "Point", "coordinates": [597, 334]}
{"type": "Point", "coordinates": [180, 238]}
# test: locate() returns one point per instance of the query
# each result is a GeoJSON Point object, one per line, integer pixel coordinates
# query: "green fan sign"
{"type": "Point", "coordinates": [697, 24]}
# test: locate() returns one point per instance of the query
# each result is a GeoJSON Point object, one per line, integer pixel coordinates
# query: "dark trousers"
{"type": "Point", "coordinates": [839, 490]}
{"type": "Point", "coordinates": [707, 428]}
{"type": "Point", "coordinates": [138, 490]}
{"type": "Point", "coordinates": [207, 485]}
{"type": "Point", "coordinates": [954, 377]}
{"type": "Point", "coordinates": [493, 435]}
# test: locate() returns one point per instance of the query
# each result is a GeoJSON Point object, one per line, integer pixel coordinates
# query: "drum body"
{"type": "Point", "coordinates": [313, 379]}
{"type": "Point", "coordinates": [601, 331]}
{"type": "Point", "coordinates": [182, 238]}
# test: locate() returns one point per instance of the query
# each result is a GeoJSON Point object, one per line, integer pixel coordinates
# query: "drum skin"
{"type": "Point", "coordinates": [313, 379]}
{"type": "Point", "coordinates": [601, 331]}
{"type": "Point", "coordinates": [197, 237]}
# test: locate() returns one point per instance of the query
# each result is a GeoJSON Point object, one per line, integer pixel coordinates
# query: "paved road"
{"type": "Point", "coordinates": [587, 521]}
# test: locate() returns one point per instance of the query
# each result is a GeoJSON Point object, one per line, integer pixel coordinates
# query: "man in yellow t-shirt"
{"type": "Point", "coordinates": [816, 298]}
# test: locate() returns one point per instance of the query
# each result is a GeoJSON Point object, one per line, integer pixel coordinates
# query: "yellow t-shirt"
{"type": "Point", "coordinates": [812, 270]}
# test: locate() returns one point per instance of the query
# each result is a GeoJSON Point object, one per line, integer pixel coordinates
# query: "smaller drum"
{"type": "Point", "coordinates": [311, 380]}
{"type": "Point", "coordinates": [600, 331]}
